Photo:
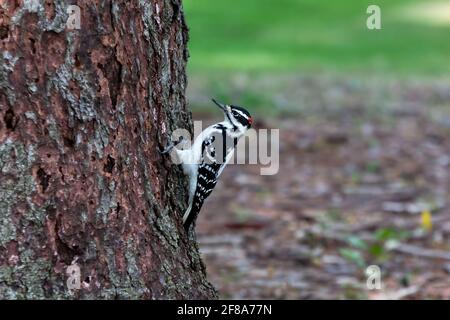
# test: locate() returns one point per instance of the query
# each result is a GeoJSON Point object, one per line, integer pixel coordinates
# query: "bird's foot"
{"type": "Point", "coordinates": [171, 145]}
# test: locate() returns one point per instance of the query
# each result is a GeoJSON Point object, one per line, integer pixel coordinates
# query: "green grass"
{"type": "Point", "coordinates": [313, 36]}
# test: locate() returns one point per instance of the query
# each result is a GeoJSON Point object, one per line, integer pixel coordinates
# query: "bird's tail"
{"type": "Point", "coordinates": [187, 217]}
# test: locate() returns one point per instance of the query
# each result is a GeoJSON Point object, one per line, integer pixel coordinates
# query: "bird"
{"type": "Point", "coordinates": [207, 157]}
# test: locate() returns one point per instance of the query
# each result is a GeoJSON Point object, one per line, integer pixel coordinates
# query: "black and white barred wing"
{"type": "Point", "coordinates": [216, 153]}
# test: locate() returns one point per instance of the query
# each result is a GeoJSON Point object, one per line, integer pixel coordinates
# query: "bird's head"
{"type": "Point", "coordinates": [237, 116]}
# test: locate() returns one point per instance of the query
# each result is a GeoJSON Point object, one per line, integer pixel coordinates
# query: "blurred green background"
{"type": "Point", "coordinates": [264, 38]}
{"type": "Point", "coordinates": [317, 36]}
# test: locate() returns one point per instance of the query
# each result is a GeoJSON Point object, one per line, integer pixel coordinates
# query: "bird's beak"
{"type": "Point", "coordinates": [220, 105]}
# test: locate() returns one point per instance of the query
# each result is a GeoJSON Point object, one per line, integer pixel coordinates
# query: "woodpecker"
{"type": "Point", "coordinates": [211, 151]}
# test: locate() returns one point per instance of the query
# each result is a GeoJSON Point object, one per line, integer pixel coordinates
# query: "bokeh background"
{"type": "Point", "coordinates": [364, 119]}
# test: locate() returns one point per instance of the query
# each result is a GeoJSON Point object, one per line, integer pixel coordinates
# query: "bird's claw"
{"type": "Point", "coordinates": [170, 146]}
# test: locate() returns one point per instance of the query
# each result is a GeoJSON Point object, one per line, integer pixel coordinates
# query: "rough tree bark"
{"type": "Point", "coordinates": [81, 182]}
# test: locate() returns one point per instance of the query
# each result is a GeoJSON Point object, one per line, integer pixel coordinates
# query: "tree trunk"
{"type": "Point", "coordinates": [84, 193]}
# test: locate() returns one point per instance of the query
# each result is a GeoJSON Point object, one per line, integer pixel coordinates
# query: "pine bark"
{"type": "Point", "coordinates": [82, 114]}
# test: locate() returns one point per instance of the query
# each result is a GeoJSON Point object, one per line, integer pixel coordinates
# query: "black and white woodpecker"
{"type": "Point", "coordinates": [211, 151]}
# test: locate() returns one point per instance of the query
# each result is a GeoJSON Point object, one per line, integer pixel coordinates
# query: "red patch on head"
{"type": "Point", "coordinates": [250, 120]}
